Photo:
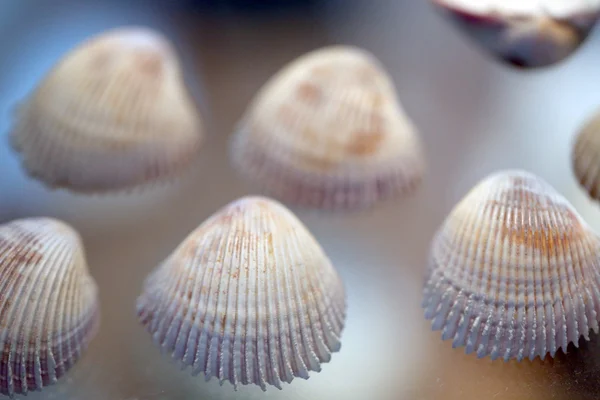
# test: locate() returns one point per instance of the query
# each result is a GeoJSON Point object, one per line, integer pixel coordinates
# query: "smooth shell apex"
{"type": "Point", "coordinates": [329, 132]}
{"type": "Point", "coordinates": [249, 297]}
{"type": "Point", "coordinates": [49, 309]}
{"type": "Point", "coordinates": [586, 157]}
{"type": "Point", "coordinates": [112, 115]}
{"type": "Point", "coordinates": [527, 34]}
{"type": "Point", "coordinates": [513, 271]}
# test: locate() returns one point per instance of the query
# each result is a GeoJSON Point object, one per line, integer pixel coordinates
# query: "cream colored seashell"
{"type": "Point", "coordinates": [513, 271]}
{"type": "Point", "coordinates": [49, 309]}
{"type": "Point", "coordinates": [328, 131]}
{"type": "Point", "coordinates": [249, 297]}
{"type": "Point", "coordinates": [586, 157]}
{"type": "Point", "coordinates": [111, 115]}
{"type": "Point", "coordinates": [526, 33]}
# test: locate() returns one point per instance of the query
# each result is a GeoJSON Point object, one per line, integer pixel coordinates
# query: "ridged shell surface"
{"type": "Point", "coordinates": [112, 115]}
{"type": "Point", "coordinates": [249, 297]}
{"type": "Point", "coordinates": [513, 271]}
{"type": "Point", "coordinates": [49, 309]}
{"type": "Point", "coordinates": [586, 157]}
{"type": "Point", "coordinates": [526, 33]}
{"type": "Point", "coordinates": [328, 131]}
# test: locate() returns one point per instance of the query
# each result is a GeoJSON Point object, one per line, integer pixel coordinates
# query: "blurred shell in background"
{"type": "Point", "coordinates": [249, 297]}
{"type": "Point", "coordinates": [586, 157]}
{"type": "Point", "coordinates": [526, 33]}
{"type": "Point", "coordinates": [113, 114]}
{"type": "Point", "coordinates": [328, 131]}
{"type": "Point", "coordinates": [49, 309]}
{"type": "Point", "coordinates": [514, 271]}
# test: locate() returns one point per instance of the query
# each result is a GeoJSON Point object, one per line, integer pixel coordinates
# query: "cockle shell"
{"type": "Point", "coordinates": [526, 33]}
{"type": "Point", "coordinates": [586, 157]}
{"type": "Point", "coordinates": [113, 114]}
{"type": "Point", "coordinates": [49, 309]}
{"type": "Point", "coordinates": [249, 297]}
{"type": "Point", "coordinates": [328, 131]}
{"type": "Point", "coordinates": [513, 271]}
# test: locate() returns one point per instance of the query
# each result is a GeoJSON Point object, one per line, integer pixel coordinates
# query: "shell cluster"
{"type": "Point", "coordinates": [526, 33]}
{"type": "Point", "coordinates": [328, 131]}
{"type": "Point", "coordinates": [249, 297]}
{"type": "Point", "coordinates": [514, 272]}
{"type": "Point", "coordinates": [586, 157]}
{"type": "Point", "coordinates": [49, 309]}
{"type": "Point", "coordinates": [112, 115]}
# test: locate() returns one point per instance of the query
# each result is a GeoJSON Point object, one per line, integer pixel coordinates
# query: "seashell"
{"type": "Point", "coordinates": [49, 309]}
{"type": "Point", "coordinates": [513, 271]}
{"type": "Point", "coordinates": [329, 132]}
{"type": "Point", "coordinates": [112, 115]}
{"type": "Point", "coordinates": [586, 157]}
{"type": "Point", "coordinates": [525, 33]}
{"type": "Point", "coordinates": [249, 297]}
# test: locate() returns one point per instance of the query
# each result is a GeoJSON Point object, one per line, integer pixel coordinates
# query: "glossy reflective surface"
{"type": "Point", "coordinates": [475, 116]}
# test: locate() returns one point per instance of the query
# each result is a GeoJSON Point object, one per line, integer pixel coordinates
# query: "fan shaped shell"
{"type": "Point", "coordinates": [249, 297]}
{"type": "Point", "coordinates": [112, 115]}
{"type": "Point", "coordinates": [513, 271]}
{"type": "Point", "coordinates": [329, 132]}
{"type": "Point", "coordinates": [48, 303]}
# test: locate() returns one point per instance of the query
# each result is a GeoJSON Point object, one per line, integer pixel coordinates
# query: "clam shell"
{"type": "Point", "coordinates": [329, 132]}
{"type": "Point", "coordinates": [586, 157]}
{"type": "Point", "coordinates": [513, 271]}
{"type": "Point", "coordinates": [49, 309]}
{"type": "Point", "coordinates": [526, 33]}
{"type": "Point", "coordinates": [249, 297]}
{"type": "Point", "coordinates": [112, 115]}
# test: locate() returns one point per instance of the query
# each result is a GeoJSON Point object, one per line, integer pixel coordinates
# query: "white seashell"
{"type": "Point", "coordinates": [328, 131]}
{"type": "Point", "coordinates": [586, 157]}
{"type": "Point", "coordinates": [113, 114]}
{"type": "Point", "coordinates": [513, 271]}
{"type": "Point", "coordinates": [526, 33]}
{"type": "Point", "coordinates": [249, 297]}
{"type": "Point", "coordinates": [49, 309]}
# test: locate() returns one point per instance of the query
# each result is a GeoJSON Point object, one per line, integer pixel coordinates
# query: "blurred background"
{"type": "Point", "coordinates": [475, 117]}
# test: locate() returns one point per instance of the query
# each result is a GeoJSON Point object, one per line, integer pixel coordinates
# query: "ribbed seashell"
{"type": "Point", "coordinates": [586, 157]}
{"type": "Point", "coordinates": [328, 131]}
{"type": "Point", "coordinates": [49, 309]}
{"type": "Point", "coordinates": [112, 115]}
{"type": "Point", "coordinates": [526, 33]}
{"type": "Point", "coordinates": [513, 271]}
{"type": "Point", "coordinates": [249, 297]}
